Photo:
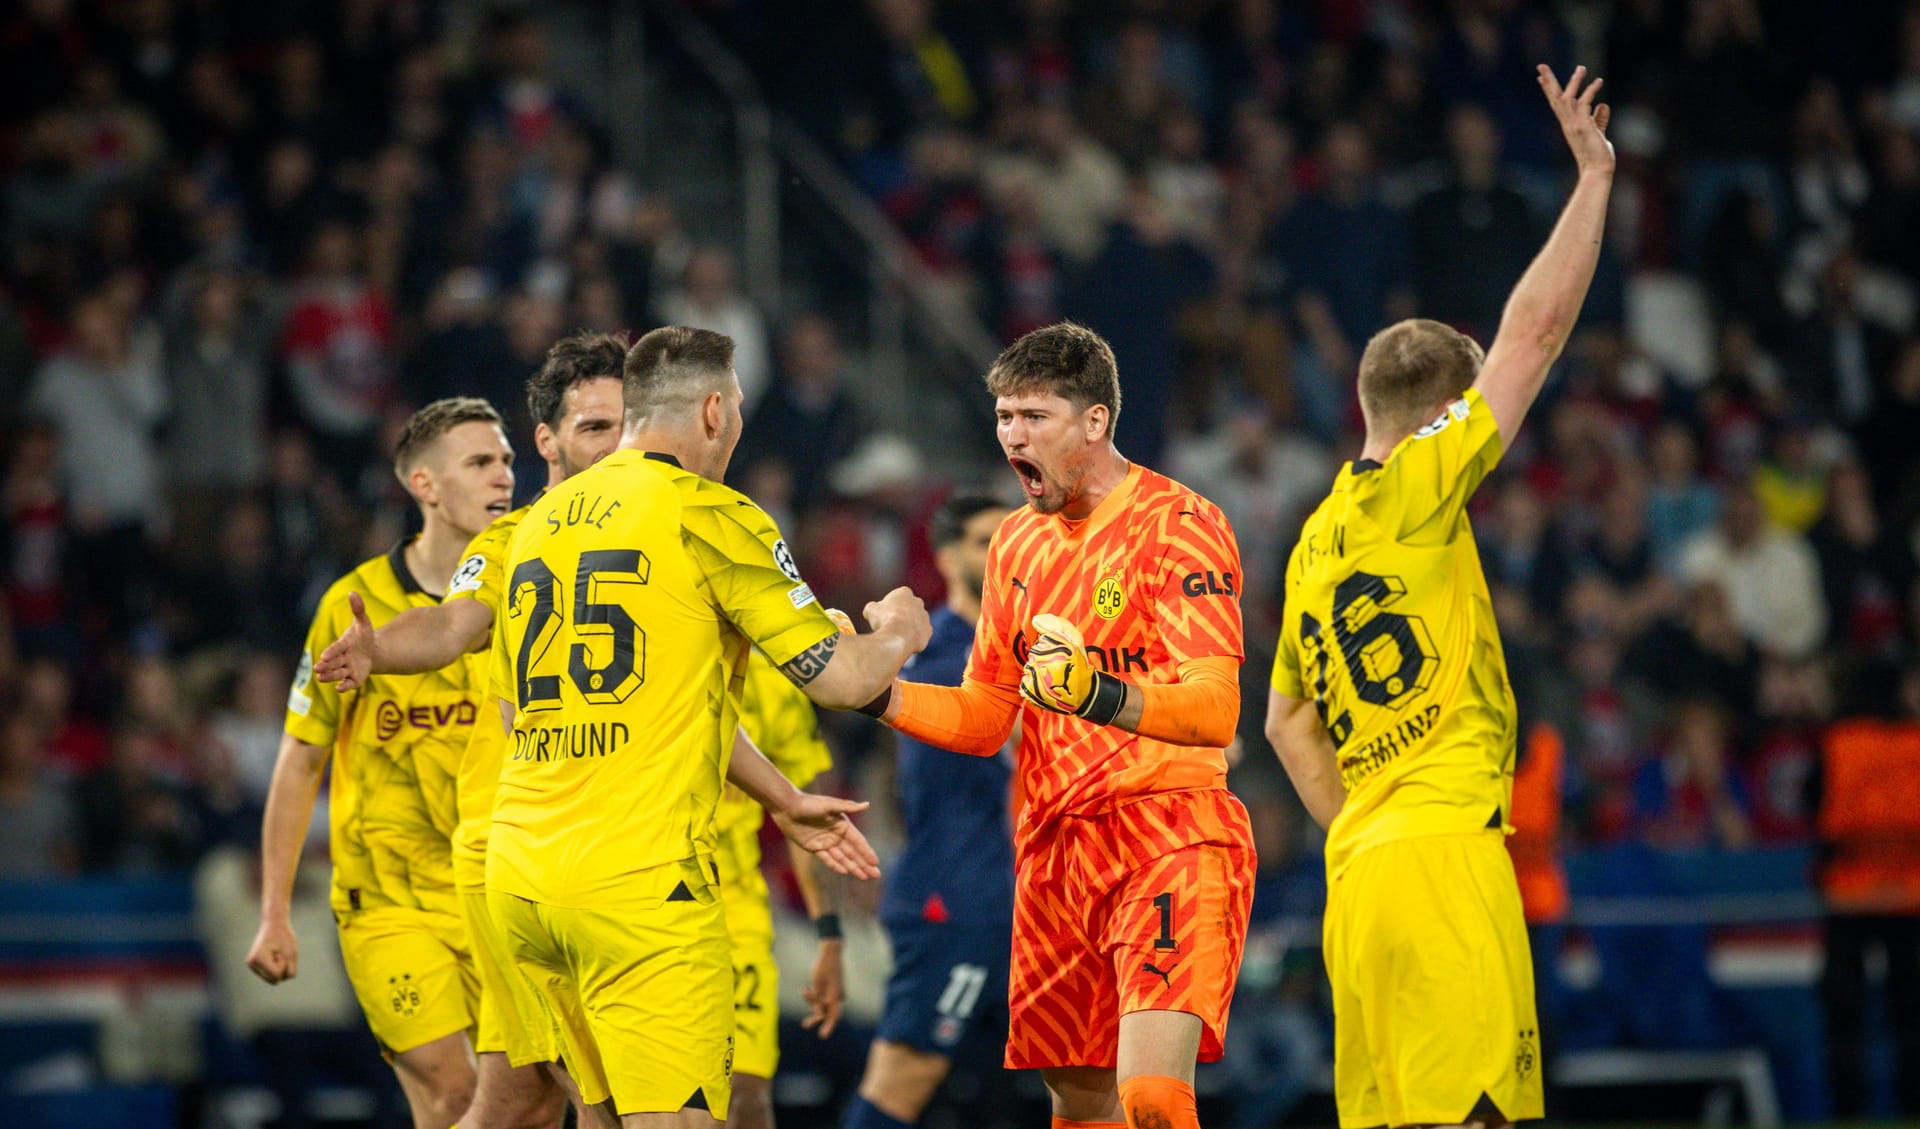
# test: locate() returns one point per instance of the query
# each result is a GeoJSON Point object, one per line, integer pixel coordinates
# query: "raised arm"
{"type": "Point", "coordinates": [1546, 301]}
{"type": "Point", "coordinates": [416, 641]}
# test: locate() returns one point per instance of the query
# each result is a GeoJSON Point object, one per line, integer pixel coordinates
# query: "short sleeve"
{"type": "Point", "coordinates": [992, 659]}
{"type": "Point", "coordinates": [1197, 612]}
{"type": "Point", "coordinates": [1287, 679]}
{"type": "Point", "coordinates": [482, 572]}
{"type": "Point", "coordinates": [1428, 480]}
{"type": "Point", "coordinates": [500, 677]}
{"type": "Point", "coordinates": [314, 707]}
{"type": "Point", "coordinates": [752, 576]}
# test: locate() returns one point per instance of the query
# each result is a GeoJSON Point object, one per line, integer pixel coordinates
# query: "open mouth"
{"type": "Point", "coordinates": [499, 508]}
{"type": "Point", "coordinates": [1029, 473]}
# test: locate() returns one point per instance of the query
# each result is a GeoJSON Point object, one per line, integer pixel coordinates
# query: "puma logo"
{"type": "Point", "coordinates": [1160, 972]}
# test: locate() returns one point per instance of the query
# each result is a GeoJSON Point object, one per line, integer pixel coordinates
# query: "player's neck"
{"type": "Point", "coordinates": [433, 555]}
{"type": "Point", "coordinates": [1108, 474]}
{"type": "Point", "coordinates": [1376, 450]}
{"type": "Point", "coordinates": [665, 441]}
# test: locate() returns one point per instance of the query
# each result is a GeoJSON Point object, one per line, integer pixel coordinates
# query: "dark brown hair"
{"type": "Point", "coordinates": [1410, 370]}
{"type": "Point", "coordinates": [428, 424]}
{"type": "Point", "coordinates": [1065, 360]}
{"type": "Point", "coordinates": [573, 360]}
{"type": "Point", "coordinates": [673, 361]}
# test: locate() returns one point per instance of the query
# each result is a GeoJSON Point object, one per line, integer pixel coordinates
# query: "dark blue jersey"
{"type": "Point", "coordinates": [958, 863]}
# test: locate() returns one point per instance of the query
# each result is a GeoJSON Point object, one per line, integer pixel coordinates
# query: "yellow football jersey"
{"type": "Point", "coordinates": [481, 576]}
{"type": "Point", "coordinates": [779, 719]}
{"type": "Point", "coordinates": [396, 743]}
{"type": "Point", "coordinates": [1390, 630]}
{"type": "Point", "coordinates": [632, 593]}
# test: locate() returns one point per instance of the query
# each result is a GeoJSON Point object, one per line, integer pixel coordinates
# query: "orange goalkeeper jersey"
{"type": "Point", "coordinates": [1151, 578]}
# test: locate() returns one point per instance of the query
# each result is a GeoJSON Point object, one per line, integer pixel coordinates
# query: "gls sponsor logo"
{"type": "Point", "coordinates": [1208, 584]}
{"type": "Point", "coordinates": [1113, 660]}
{"type": "Point", "coordinates": [389, 718]}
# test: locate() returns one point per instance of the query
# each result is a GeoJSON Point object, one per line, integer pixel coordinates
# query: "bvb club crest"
{"type": "Point", "coordinates": [1528, 1056]}
{"type": "Point", "coordinates": [404, 996]}
{"type": "Point", "coordinates": [1110, 598]}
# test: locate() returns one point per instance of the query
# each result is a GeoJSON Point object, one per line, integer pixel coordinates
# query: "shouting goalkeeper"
{"type": "Point", "coordinates": [1110, 628]}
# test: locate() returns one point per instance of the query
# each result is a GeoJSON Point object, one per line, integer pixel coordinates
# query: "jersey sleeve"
{"type": "Point", "coordinates": [482, 572]}
{"type": "Point", "coordinates": [992, 659]}
{"type": "Point", "coordinates": [1430, 477]}
{"type": "Point", "coordinates": [1287, 678]}
{"type": "Point", "coordinates": [752, 576]}
{"type": "Point", "coordinates": [1197, 609]}
{"type": "Point", "coordinates": [780, 719]}
{"type": "Point", "coordinates": [315, 708]}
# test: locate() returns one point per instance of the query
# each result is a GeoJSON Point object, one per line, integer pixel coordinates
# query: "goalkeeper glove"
{"type": "Point", "coordinates": [1059, 678]}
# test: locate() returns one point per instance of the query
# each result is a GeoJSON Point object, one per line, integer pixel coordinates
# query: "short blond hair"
{"type": "Point", "coordinates": [431, 422]}
{"type": "Point", "coordinates": [1410, 369]}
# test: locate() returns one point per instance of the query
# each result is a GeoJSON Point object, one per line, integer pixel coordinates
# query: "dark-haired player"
{"type": "Point", "coordinates": [1112, 608]}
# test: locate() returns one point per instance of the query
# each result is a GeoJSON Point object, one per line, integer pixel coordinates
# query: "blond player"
{"type": "Point", "coordinates": [633, 593]}
{"type": "Point", "coordinates": [395, 744]}
{"type": "Point", "coordinates": [1391, 707]}
{"type": "Point", "coordinates": [574, 401]}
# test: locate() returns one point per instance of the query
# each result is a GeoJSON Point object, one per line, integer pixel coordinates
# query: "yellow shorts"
{"type": "Point", "coordinates": [641, 996]}
{"type": "Point", "coordinates": [412, 972]}
{"type": "Point", "coordinates": [756, 982]}
{"type": "Point", "coordinates": [513, 1019]}
{"type": "Point", "coordinates": [1432, 981]}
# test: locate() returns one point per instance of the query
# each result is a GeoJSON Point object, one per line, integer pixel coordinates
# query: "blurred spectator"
{"type": "Point", "coordinates": [1842, 349]}
{"type": "Point", "coordinates": [1470, 237]}
{"type": "Point", "coordinates": [1131, 293]}
{"type": "Point", "coordinates": [709, 298]}
{"type": "Point", "coordinates": [38, 543]}
{"type": "Point", "coordinates": [106, 398]}
{"type": "Point", "coordinates": [219, 333]}
{"type": "Point", "coordinates": [1687, 795]}
{"type": "Point", "coordinates": [75, 742]}
{"type": "Point", "coordinates": [1680, 503]}
{"type": "Point", "coordinates": [36, 815]}
{"type": "Point", "coordinates": [1263, 478]}
{"type": "Point", "coordinates": [1126, 108]}
{"type": "Point", "coordinates": [1348, 252]}
{"type": "Point", "coordinates": [338, 346]}
{"type": "Point", "coordinates": [807, 422]}
{"type": "Point", "coordinates": [1870, 876]}
{"type": "Point", "coordinates": [1770, 575]}
{"type": "Point", "coordinates": [1864, 567]}
{"type": "Point", "coordinates": [135, 810]}
{"type": "Point", "coordinates": [1075, 185]}
{"type": "Point", "coordinates": [248, 724]}
{"type": "Point", "coordinates": [1791, 481]}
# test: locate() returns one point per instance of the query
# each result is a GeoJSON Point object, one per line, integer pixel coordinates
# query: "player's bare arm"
{"type": "Point", "coordinates": [1546, 301]}
{"type": "Point", "coordinates": [826, 990]}
{"type": "Point", "coordinates": [275, 955]}
{"type": "Point", "coordinates": [848, 672]}
{"type": "Point", "coordinates": [818, 824]}
{"type": "Point", "coordinates": [1297, 734]}
{"type": "Point", "coordinates": [416, 641]}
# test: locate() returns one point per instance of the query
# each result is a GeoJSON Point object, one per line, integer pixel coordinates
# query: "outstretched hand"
{"type": "Point", "coordinates": [348, 660]}
{"type": "Point", "coordinates": [1583, 122]}
{"type": "Point", "coordinates": [820, 825]}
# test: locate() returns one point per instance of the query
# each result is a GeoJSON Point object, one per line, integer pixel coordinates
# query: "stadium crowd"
{"type": "Point", "coordinates": [241, 241]}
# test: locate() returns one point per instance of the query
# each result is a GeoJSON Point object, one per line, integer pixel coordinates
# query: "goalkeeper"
{"type": "Point", "coordinates": [1110, 627]}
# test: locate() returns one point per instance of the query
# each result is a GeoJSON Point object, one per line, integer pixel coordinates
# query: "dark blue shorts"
{"type": "Point", "coordinates": [947, 980]}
